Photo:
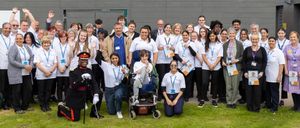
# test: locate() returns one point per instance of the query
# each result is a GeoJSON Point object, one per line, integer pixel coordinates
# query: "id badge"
{"type": "Point", "coordinates": [253, 63]}
{"type": "Point", "coordinates": [117, 48]}
{"type": "Point", "coordinates": [25, 62]}
{"type": "Point", "coordinates": [62, 61]}
{"type": "Point", "coordinates": [172, 91]}
{"type": "Point", "coordinates": [295, 65]}
{"type": "Point", "coordinates": [229, 60]}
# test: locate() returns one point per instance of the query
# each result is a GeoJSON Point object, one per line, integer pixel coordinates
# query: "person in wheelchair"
{"type": "Point", "coordinates": [173, 85]}
{"type": "Point", "coordinates": [142, 70]}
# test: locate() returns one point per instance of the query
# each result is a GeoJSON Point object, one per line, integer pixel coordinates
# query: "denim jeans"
{"type": "Point", "coordinates": [113, 98]}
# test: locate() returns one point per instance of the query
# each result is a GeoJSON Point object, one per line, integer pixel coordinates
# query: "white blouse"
{"type": "Point", "coordinates": [173, 82]}
{"type": "Point", "coordinates": [47, 59]}
{"type": "Point", "coordinates": [214, 51]}
{"type": "Point", "coordinates": [113, 75]}
{"type": "Point", "coordinates": [165, 41]}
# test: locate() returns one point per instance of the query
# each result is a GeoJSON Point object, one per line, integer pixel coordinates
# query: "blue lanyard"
{"type": "Point", "coordinates": [280, 47]}
{"type": "Point", "coordinates": [63, 52]}
{"type": "Point", "coordinates": [294, 51]}
{"type": "Point", "coordinates": [7, 45]}
{"type": "Point", "coordinates": [167, 42]}
{"type": "Point", "coordinates": [173, 82]}
{"type": "Point", "coordinates": [22, 50]}
{"type": "Point", "coordinates": [116, 76]}
{"type": "Point", "coordinates": [47, 57]}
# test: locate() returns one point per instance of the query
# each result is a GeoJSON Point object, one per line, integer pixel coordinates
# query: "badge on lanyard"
{"type": "Point", "coordinates": [253, 63]}
{"type": "Point", "coordinates": [118, 48]}
{"type": "Point", "coordinates": [25, 62]}
{"type": "Point", "coordinates": [172, 91]}
{"type": "Point", "coordinates": [63, 61]}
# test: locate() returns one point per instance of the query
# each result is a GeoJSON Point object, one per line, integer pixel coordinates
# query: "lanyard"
{"type": "Point", "coordinates": [254, 54]}
{"type": "Point", "coordinates": [172, 82]}
{"type": "Point", "coordinates": [294, 51]}
{"type": "Point", "coordinates": [7, 45]}
{"type": "Point", "coordinates": [81, 47]}
{"type": "Point", "coordinates": [47, 57]}
{"type": "Point", "coordinates": [230, 49]}
{"type": "Point", "coordinates": [63, 51]}
{"type": "Point", "coordinates": [116, 76]}
{"type": "Point", "coordinates": [212, 49]}
{"type": "Point", "coordinates": [184, 49]}
{"type": "Point", "coordinates": [167, 42]}
{"type": "Point", "coordinates": [280, 47]}
{"type": "Point", "coordinates": [22, 50]}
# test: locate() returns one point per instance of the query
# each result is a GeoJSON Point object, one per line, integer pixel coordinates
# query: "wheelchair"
{"type": "Point", "coordinates": [147, 94]}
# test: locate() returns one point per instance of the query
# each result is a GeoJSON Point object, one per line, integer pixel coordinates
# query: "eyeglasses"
{"type": "Point", "coordinates": [14, 25]}
{"type": "Point", "coordinates": [173, 65]}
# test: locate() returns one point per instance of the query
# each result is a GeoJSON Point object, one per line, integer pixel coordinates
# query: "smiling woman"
{"type": "Point", "coordinates": [20, 59]}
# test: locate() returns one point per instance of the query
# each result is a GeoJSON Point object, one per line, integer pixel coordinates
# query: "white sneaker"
{"type": "Point", "coordinates": [119, 114]}
{"type": "Point", "coordinates": [135, 100]}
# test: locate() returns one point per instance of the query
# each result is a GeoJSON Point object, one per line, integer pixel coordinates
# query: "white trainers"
{"type": "Point", "coordinates": [119, 114]}
{"type": "Point", "coordinates": [135, 100]}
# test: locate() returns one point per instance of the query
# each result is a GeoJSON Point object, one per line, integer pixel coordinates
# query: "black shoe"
{"type": "Point", "coordinates": [233, 106]}
{"type": "Point", "coordinates": [241, 101]}
{"type": "Point", "coordinates": [20, 112]}
{"type": "Point", "coordinates": [186, 99]}
{"type": "Point", "coordinates": [229, 105]}
{"type": "Point", "coordinates": [48, 108]}
{"type": "Point", "coordinates": [44, 109]}
{"type": "Point", "coordinates": [5, 107]}
{"type": "Point", "coordinates": [53, 98]}
{"type": "Point", "coordinates": [206, 98]}
{"type": "Point", "coordinates": [96, 115]}
{"type": "Point", "coordinates": [281, 103]}
{"type": "Point", "coordinates": [214, 103]}
{"type": "Point", "coordinates": [201, 104]}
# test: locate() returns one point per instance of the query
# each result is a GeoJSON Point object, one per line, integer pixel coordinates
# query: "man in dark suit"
{"type": "Point", "coordinates": [159, 31]}
{"type": "Point", "coordinates": [98, 28]}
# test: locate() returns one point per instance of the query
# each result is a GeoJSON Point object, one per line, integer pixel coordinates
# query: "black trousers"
{"type": "Point", "coordinates": [296, 100]}
{"type": "Point", "coordinates": [272, 95]}
{"type": "Point", "coordinates": [96, 72]}
{"type": "Point", "coordinates": [253, 94]}
{"type": "Point", "coordinates": [62, 87]}
{"type": "Point", "coordinates": [198, 80]}
{"type": "Point", "coordinates": [221, 86]}
{"type": "Point", "coordinates": [34, 83]}
{"type": "Point", "coordinates": [242, 88]}
{"type": "Point", "coordinates": [5, 88]}
{"type": "Point", "coordinates": [44, 91]}
{"type": "Point", "coordinates": [284, 94]}
{"type": "Point", "coordinates": [22, 94]}
{"type": "Point", "coordinates": [53, 87]}
{"type": "Point", "coordinates": [188, 84]}
{"type": "Point", "coordinates": [206, 74]}
{"type": "Point", "coordinates": [162, 69]}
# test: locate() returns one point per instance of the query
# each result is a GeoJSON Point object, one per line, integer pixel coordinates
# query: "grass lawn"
{"type": "Point", "coordinates": [193, 117]}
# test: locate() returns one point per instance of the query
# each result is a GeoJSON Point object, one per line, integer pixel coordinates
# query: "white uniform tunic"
{"type": "Point", "coordinates": [139, 44]}
{"type": "Point", "coordinates": [164, 41]}
{"type": "Point", "coordinates": [62, 52]}
{"type": "Point", "coordinates": [24, 55]}
{"type": "Point", "coordinates": [113, 75]}
{"type": "Point", "coordinates": [214, 51]}
{"type": "Point", "coordinates": [47, 59]}
{"type": "Point", "coordinates": [281, 44]}
{"type": "Point", "coordinates": [198, 49]}
{"type": "Point", "coordinates": [275, 58]}
{"type": "Point", "coordinates": [173, 82]}
{"type": "Point", "coordinates": [5, 44]}
{"type": "Point", "coordinates": [185, 54]}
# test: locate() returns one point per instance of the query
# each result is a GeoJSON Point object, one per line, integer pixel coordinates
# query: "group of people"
{"type": "Point", "coordinates": [83, 63]}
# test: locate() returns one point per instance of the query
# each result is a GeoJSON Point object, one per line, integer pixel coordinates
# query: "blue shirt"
{"type": "Point", "coordinates": [119, 47]}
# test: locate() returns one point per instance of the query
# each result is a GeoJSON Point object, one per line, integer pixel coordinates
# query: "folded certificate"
{"type": "Point", "coordinates": [293, 78]}
{"type": "Point", "coordinates": [169, 53]}
{"type": "Point", "coordinates": [187, 68]}
{"type": "Point", "coordinates": [232, 70]}
{"type": "Point", "coordinates": [253, 78]}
